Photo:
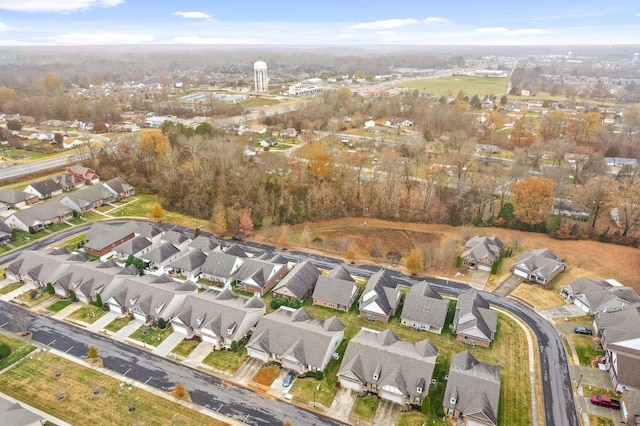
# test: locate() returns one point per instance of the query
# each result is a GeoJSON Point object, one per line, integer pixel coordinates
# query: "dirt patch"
{"type": "Point", "coordinates": [266, 375]}
{"type": "Point", "coordinates": [583, 258]}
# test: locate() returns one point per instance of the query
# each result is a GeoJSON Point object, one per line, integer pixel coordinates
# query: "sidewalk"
{"type": "Point", "coordinates": [101, 323]}
{"type": "Point", "coordinates": [169, 343]}
{"type": "Point", "coordinates": [17, 292]}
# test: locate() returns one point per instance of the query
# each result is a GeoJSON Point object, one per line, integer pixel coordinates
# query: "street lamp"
{"type": "Point", "coordinates": [314, 395]}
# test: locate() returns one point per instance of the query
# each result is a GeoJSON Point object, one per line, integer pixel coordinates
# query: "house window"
{"type": "Point", "coordinates": [466, 337]}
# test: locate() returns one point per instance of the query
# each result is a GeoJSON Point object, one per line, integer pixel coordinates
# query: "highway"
{"type": "Point", "coordinates": [559, 406]}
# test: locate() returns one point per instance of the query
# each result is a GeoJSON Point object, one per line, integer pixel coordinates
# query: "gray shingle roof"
{"type": "Point", "coordinates": [13, 414]}
{"type": "Point", "coordinates": [147, 229]}
{"type": "Point", "coordinates": [134, 245]}
{"type": "Point", "coordinates": [483, 249]}
{"type": "Point", "coordinates": [381, 290]}
{"type": "Point", "coordinates": [220, 264]}
{"type": "Point", "coordinates": [219, 311]}
{"type": "Point", "coordinates": [161, 253]}
{"type": "Point", "coordinates": [599, 294]}
{"type": "Point", "coordinates": [300, 280]}
{"type": "Point", "coordinates": [89, 195]}
{"type": "Point", "coordinates": [335, 290]}
{"type": "Point", "coordinates": [41, 213]}
{"type": "Point", "coordinates": [203, 243]}
{"type": "Point", "coordinates": [474, 386]}
{"type": "Point", "coordinates": [103, 234]}
{"type": "Point", "coordinates": [46, 187]}
{"type": "Point", "coordinates": [192, 260]}
{"type": "Point", "coordinates": [424, 305]}
{"type": "Point", "coordinates": [473, 312]}
{"type": "Point", "coordinates": [341, 273]}
{"type": "Point", "coordinates": [13, 196]}
{"type": "Point", "coordinates": [259, 271]}
{"type": "Point", "coordinates": [619, 325]}
{"type": "Point", "coordinates": [119, 185]}
{"type": "Point", "coordinates": [297, 334]}
{"type": "Point", "coordinates": [174, 237]}
{"type": "Point", "coordinates": [235, 250]}
{"type": "Point", "coordinates": [539, 262]}
{"type": "Point", "coordinates": [383, 359]}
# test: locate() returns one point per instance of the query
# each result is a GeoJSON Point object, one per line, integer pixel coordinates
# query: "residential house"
{"type": "Point", "coordinates": [221, 267]}
{"type": "Point", "coordinates": [289, 132]}
{"type": "Point", "coordinates": [218, 317]}
{"type": "Point", "coordinates": [136, 246]}
{"type": "Point", "coordinates": [472, 394]}
{"type": "Point", "coordinates": [41, 266]}
{"type": "Point", "coordinates": [259, 275]}
{"type": "Point", "coordinates": [396, 370]}
{"type": "Point", "coordinates": [161, 256]}
{"type": "Point", "coordinates": [593, 295]}
{"type": "Point", "coordinates": [148, 297]}
{"type": "Point", "coordinates": [619, 333]}
{"type": "Point", "coordinates": [88, 198]}
{"type": "Point", "coordinates": [480, 252]}
{"type": "Point", "coordinates": [299, 283]}
{"type": "Point", "coordinates": [44, 188]}
{"type": "Point", "coordinates": [538, 266]}
{"type": "Point", "coordinates": [6, 233]}
{"type": "Point", "coordinates": [88, 279]}
{"type": "Point", "coordinates": [16, 199]}
{"type": "Point", "coordinates": [474, 322]}
{"type": "Point", "coordinates": [14, 414]}
{"type": "Point", "coordinates": [336, 290]}
{"type": "Point", "coordinates": [295, 340]}
{"type": "Point", "coordinates": [68, 182]}
{"type": "Point", "coordinates": [380, 297]}
{"type": "Point", "coordinates": [424, 308]}
{"type": "Point", "coordinates": [38, 216]}
{"type": "Point", "coordinates": [85, 174]}
{"type": "Point", "coordinates": [189, 264]}
{"type": "Point", "coordinates": [119, 187]}
{"type": "Point", "coordinates": [178, 239]}
{"type": "Point", "coordinates": [206, 244]}
{"type": "Point", "coordinates": [630, 406]}
{"type": "Point", "coordinates": [235, 250]}
{"type": "Point", "coordinates": [150, 231]}
{"type": "Point", "coordinates": [103, 237]}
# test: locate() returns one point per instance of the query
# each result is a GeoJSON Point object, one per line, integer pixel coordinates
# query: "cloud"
{"type": "Point", "coordinates": [193, 15]}
{"type": "Point", "coordinates": [211, 40]}
{"type": "Point", "coordinates": [638, 14]}
{"type": "Point", "coordinates": [508, 32]}
{"type": "Point", "coordinates": [436, 20]}
{"type": "Point", "coordinates": [386, 32]}
{"type": "Point", "coordinates": [384, 25]}
{"type": "Point", "coordinates": [64, 6]}
{"type": "Point", "coordinates": [101, 38]}
{"type": "Point", "coordinates": [4, 27]}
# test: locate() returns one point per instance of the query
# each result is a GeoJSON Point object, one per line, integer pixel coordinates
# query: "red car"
{"type": "Point", "coordinates": [605, 401]}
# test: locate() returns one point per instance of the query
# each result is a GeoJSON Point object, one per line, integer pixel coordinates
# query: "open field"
{"type": "Point", "coordinates": [450, 86]}
{"type": "Point", "coordinates": [85, 396]}
{"type": "Point", "coordinates": [613, 261]}
{"type": "Point", "coordinates": [19, 349]}
{"type": "Point", "coordinates": [141, 205]}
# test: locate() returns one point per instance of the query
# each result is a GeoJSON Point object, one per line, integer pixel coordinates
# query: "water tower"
{"type": "Point", "coordinates": [260, 77]}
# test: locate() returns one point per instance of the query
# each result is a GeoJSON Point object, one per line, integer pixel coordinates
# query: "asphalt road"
{"type": "Point", "coordinates": [205, 390]}
{"type": "Point", "coordinates": [559, 406]}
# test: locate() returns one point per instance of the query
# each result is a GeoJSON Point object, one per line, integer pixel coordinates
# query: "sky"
{"type": "Point", "coordinates": [319, 22]}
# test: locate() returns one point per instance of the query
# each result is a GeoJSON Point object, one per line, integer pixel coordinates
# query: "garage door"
{"type": "Point", "coordinates": [484, 268]}
{"type": "Point", "coordinates": [393, 397]}
{"type": "Point", "coordinates": [521, 273]}
{"type": "Point", "coordinates": [257, 354]}
{"type": "Point", "coordinates": [581, 305]}
{"type": "Point", "coordinates": [348, 384]}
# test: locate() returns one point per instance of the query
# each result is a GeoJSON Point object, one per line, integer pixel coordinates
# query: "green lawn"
{"type": "Point", "coordinates": [586, 348]}
{"type": "Point", "coordinates": [185, 347]}
{"type": "Point", "coordinates": [88, 314]}
{"type": "Point", "coordinates": [450, 86]}
{"type": "Point", "coordinates": [228, 360]}
{"type": "Point", "coordinates": [118, 323]}
{"type": "Point", "coordinates": [365, 408]}
{"type": "Point", "coordinates": [72, 243]}
{"type": "Point", "coordinates": [19, 349]}
{"type": "Point", "coordinates": [26, 297]}
{"type": "Point", "coordinates": [9, 288]}
{"type": "Point", "coordinates": [151, 335]}
{"type": "Point", "coordinates": [59, 305]}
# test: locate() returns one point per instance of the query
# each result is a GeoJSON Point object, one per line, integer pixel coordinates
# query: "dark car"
{"type": "Point", "coordinates": [236, 238]}
{"type": "Point", "coordinates": [288, 378]}
{"type": "Point", "coordinates": [605, 401]}
{"type": "Point", "coordinates": [582, 330]}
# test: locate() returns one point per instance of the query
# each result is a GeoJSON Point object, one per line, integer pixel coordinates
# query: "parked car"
{"type": "Point", "coordinates": [605, 401]}
{"type": "Point", "coordinates": [236, 238]}
{"type": "Point", "coordinates": [582, 330]}
{"type": "Point", "coordinates": [288, 379]}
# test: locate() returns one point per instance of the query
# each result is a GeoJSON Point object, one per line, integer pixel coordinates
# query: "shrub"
{"type": "Point", "coordinates": [458, 262]}
{"type": "Point", "coordinates": [34, 294]}
{"type": "Point", "coordinates": [5, 350]}
{"type": "Point", "coordinates": [235, 346]}
{"type": "Point", "coordinates": [494, 267]}
{"type": "Point", "coordinates": [162, 324]}
{"type": "Point", "coordinates": [72, 295]}
{"type": "Point", "coordinates": [50, 288]}
{"type": "Point", "coordinates": [98, 301]}
{"type": "Point", "coordinates": [93, 352]}
{"type": "Point", "coordinates": [105, 307]}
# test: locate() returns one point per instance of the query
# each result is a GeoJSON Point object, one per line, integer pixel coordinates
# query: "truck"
{"type": "Point", "coordinates": [605, 401]}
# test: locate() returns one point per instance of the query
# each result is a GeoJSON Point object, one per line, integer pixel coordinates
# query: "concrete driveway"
{"type": "Point", "coordinates": [247, 370]}
{"type": "Point", "coordinates": [566, 311]}
{"type": "Point", "coordinates": [277, 388]}
{"type": "Point", "coordinates": [342, 404]}
{"type": "Point", "coordinates": [479, 279]}
{"type": "Point", "coordinates": [508, 286]}
{"type": "Point", "coordinates": [387, 413]}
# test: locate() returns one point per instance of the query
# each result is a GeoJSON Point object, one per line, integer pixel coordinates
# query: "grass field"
{"type": "Point", "coordinates": [185, 347]}
{"type": "Point", "coordinates": [151, 335]}
{"type": "Point", "coordinates": [365, 408]}
{"type": "Point", "coordinates": [141, 205]}
{"type": "Point", "coordinates": [19, 349]}
{"type": "Point", "coordinates": [600, 421]}
{"type": "Point", "coordinates": [9, 288]}
{"type": "Point", "coordinates": [450, 86]}
{"type": "Point", "coordinates": [86, 397]}
{"type": "Point", "coordinates": [586, 348]}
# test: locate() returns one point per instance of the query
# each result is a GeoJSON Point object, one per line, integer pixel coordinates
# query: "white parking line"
{"type": "Point", "coordinates": [245, 419]}
{"type": "Point", "coordinates": [148, 380]}
{"type": "Point", "coordinates": [218, 410]}
{"type": "Point", "coordinates": [125, 373]}
{"type": "Point", "coordinates": [4, 324]}
{"type": "Point", "coordinates": [52, 342]}
{"type": "Point", "coordinates": [67, 351]}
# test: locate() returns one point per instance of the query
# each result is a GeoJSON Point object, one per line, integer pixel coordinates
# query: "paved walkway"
{"type": "Point", "coordinates": [68, 310]}
{"type": "Point", "coordinates": [566, 311]}
{"type": "Point", "coordinates": [169, 343]}
{"type": "Point", "coordinates": [17, 292]}
{"type": "Point", "coordinates": [102, 322]}
{"type": "Point", "coordinates": [126, 331]}
{"type": "Point", "coordinates": [343, 403]}
{"type": "Point", "coordinates": [199, 353]}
